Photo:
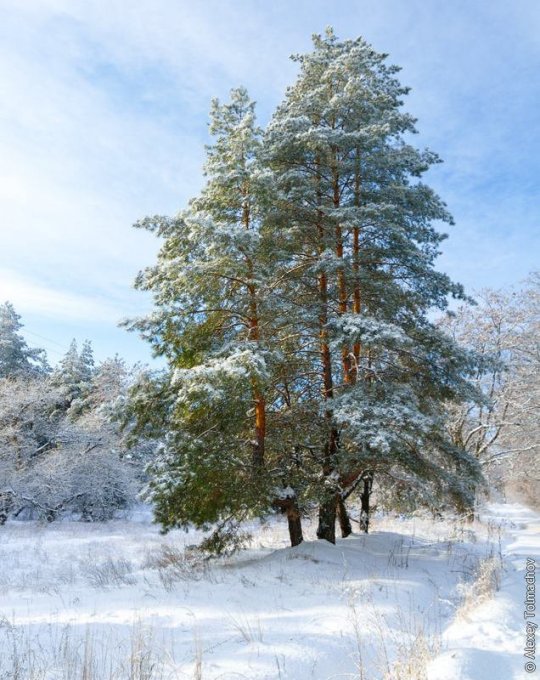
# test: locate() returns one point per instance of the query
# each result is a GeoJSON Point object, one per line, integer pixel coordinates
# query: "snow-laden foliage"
{"type": "Point", "coordinates": [16, 358]}
{"type": "Point", "coordinates": [213, 323]}
{"type": "Point", "coordinates": [61, 451]}
{"type": "Point", "coordinates": [293, 300]}
{"type": "Point", "coordinates": [361, 235]}
{"type": "Point", "coordinates": [73, 376]}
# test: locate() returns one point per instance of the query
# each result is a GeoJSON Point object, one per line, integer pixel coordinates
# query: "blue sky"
{"type": "Point", "coordinates": [103, 118]}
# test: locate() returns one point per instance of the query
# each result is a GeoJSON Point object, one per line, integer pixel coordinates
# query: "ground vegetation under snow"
{"type": "Point", "coordinates": [119, 600]}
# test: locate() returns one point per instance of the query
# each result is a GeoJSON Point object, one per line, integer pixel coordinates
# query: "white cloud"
{"type": "Point", "coordinates": [32, 297]}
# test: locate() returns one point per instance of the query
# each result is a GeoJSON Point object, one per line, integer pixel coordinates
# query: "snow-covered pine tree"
{"type": "Point", "coordinates": [86, 361]}
{"type": "Point", "coordinates": [110, 382]}
{"type": "Point", "coordinates": [16, 358]}
{"type": "Point", "coordinates": [292, 307]}
{"type": "Point", "coordinates": [213, 323]}
{"type": "Point", "coordinates": [358, 228]}
{"type": "Point", "coordinates": [74, 375]}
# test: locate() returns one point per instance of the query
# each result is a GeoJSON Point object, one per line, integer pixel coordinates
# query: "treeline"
{"type": "Point", "coordinates": [61, 448]}
{"type": "Point", "coordinates": [503, 431]}
{"type": "Point", "coordinates": [68, 447]}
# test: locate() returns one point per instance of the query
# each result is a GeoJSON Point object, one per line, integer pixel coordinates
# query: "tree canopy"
{"type": "Point", "coordinates": [293, 304]}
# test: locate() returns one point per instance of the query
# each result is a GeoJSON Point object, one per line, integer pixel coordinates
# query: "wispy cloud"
{"type": "Point", "coordinates": [56, 304]}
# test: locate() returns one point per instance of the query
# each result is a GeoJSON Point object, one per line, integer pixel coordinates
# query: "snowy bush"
{"type": "Point", "coordinates": [61, 452]}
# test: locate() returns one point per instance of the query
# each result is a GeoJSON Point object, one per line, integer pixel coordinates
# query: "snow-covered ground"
{"type": "Point", "coordinates": [119, 600]}
{"type": "Point", "coordinates": [487, 642]}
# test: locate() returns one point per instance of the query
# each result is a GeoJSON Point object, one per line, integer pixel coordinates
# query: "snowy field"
{"type": "Point", "coordinates": [119, 600]}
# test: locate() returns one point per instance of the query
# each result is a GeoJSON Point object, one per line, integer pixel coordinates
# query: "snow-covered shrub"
{"type": "Point", "coordinates": [61, 452]}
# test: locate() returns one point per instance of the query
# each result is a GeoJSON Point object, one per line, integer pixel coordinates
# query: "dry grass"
{"type": "Point", "coordinates": [91, 654]}
{"type": "Point", "coordinates": [398, 653]}
{"type": "Point", "coordinates": [413, 657]}
{"type": "Point", "coordinates": [109, 572]}
{"type": "Point", "coordinates": [486, 582]}
{"type": "Point", "coordinates": [174, 565]}
{"type": "Point", "coordinates": [404, 652]}
{"type": "Point", "coordinates": [250, 630]}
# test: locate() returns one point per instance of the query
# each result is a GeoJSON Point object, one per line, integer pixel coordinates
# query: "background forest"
{"type": "Point", "coordinates": [63, 451]}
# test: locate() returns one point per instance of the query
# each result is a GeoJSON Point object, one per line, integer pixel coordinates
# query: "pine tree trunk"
{"type": "Point", "coordinates": [327, 519]}
{"type": "Point", "coordinates": [254, 336]}
{"type": "Point", "coordinates": [295, 523]}
{"type": "Point", "coordinates": [260, 430]}
{"type": "Point", "coordinates": [356, 306]}
{"type": "Point", "coordinates": [364, 500]}
{"type": "Point", "coordinates": [289, 506]}
{"type": "Point", "coordinates": [343, 516]}
{"type": "Point", "coordinates": [342, 286]}
{"type": "Point", "coordinates": [327, 511]}
{"type": "Point", "coordinates": [258, 395]}
{"type": "Point", "coordinates": [357, 302]}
